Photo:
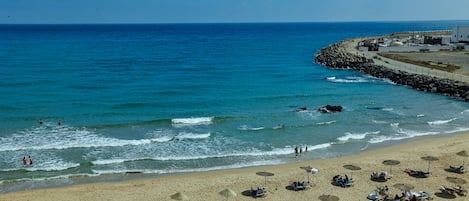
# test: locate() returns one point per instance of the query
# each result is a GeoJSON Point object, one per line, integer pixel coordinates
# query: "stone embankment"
{"type": "Point", "coordinates": [336, 56]}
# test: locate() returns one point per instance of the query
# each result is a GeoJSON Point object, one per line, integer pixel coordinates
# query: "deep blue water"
{"type": "Point", "coordinates": [168, 98]}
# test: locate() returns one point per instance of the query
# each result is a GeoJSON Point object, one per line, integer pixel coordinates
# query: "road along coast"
{"type": "Point", "coordinates": [344, 55]}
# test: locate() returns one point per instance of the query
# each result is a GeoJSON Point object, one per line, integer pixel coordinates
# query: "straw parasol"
{"type": "Point", "coordinates": [352, 167]}
{"type": "Point", "coordinates": [391, 163]}
{"type": "Point", "coordinates": [463, 154]}
{"type": "Point", "coordinates": [179, 196]}
{"type": "Point", "coordinates": [328, 198]}
{"type": "Point", "coordinates": [456, 180]}
{"type": "Point", "coordinates": [429, 159]}
{"type": "Point", "coordinates": [265, 174]}
{"type": "Point", "coordinates": [228, 193]}
{"type": "Point", "coordinates": [403, 187]}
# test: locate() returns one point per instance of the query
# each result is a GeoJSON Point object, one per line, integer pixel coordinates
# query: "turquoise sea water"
{"type": "Point", "coordinates": [171, 98]}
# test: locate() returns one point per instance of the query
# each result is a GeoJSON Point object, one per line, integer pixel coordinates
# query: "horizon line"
{"type": "Point", "coordinates": [234, 22]}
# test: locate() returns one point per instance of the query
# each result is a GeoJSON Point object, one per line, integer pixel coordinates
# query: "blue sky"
{"type": "Point", "coordinates": [209, 11]}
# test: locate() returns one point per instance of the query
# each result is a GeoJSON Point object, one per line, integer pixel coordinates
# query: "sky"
{"type": "Point", "coordinates": [231, 11]}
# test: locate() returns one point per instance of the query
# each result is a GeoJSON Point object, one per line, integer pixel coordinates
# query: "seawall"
{"type": "Point", "coordinates": [336, 56]}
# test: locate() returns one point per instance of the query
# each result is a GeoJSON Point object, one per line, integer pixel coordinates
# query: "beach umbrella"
{"type": "Point", "coordinates": [179, 196]}
{"type": "Point", "coordinates": [310, 169]}
{"type": "Point", "coordinates": [403, 187]}
{"type": "Point", "coordinates": [265, 175]}
{"type": "Point", "coordinates": [429, 159]}
{"type": "Point", "coordinates": [352, 167]}
{"type": "Point", "coordinates": [391, 163]}
{"type": "Point", "coordinates": [228, 193]}
{"type": "Point", "coordinates": [456, 180]}
{"type": "Point", "coordinates": [463, 154]}
{"type": "Point", "coordinates": [328, 198]}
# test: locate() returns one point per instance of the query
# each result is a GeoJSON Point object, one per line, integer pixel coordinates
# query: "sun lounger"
{"type": "Point", "coordinates": [344, 182]}
{"type": "Point", "coordinates": [458, 190]}
{"type": "Point", "coordinates": [300, 185]}
{"type": "Point", "coordinates": [259, 192]}
{"type": "Point", "coordinates": [422, 195]}
{"type": "Point", "coordinates": [382, 176]}
{"type": "Point", "coordinates": [417, 173]}
{"type": "Point", "coordinates": [458, 169]}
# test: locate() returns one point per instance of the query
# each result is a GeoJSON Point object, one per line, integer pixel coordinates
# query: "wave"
{"type": "Point", "coordinates": [439, 122]}
{"type": "Point", "coordinates": [420, 115]}
{"type": "Point", "coordinates": [184, 135]}
{"type": "Point", "coordinates": [356, 136]}
{"type": "Point", "coordinates": [394, 125]}
{"type": "Point", "coordinates": [326, 123]}
{"type": "Point", "coordinates": [401, 135]}
{"type": "Point", "coordinates": [248, 128]}
{"type": "Point", "coordinates": [67, 137]}
{"type": "Point", "coordinates": [192, 121]}
{"type": "Point", "coordinates": [255, 153]}
{"type": "Point", "coordinates": [347, 80]}
{"type": "Point", "coordinates": [379, 122]}
{"type": "Point", "coordinates": [457, 130]}
{"type": "Point", "coordinates": [44, 167]}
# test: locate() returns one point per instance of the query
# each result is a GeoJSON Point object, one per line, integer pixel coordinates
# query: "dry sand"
{"type": "Point", "coordinates": [206, 185]}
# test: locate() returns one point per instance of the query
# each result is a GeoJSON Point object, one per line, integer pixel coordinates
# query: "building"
{"type": "Point", "coordinates": [460, 34]}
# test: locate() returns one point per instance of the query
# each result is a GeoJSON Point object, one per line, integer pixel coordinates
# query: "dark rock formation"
{"type": "Point", "coordinates": [330, 108]}
{"type": "Point", "coordinates": [335, 56]}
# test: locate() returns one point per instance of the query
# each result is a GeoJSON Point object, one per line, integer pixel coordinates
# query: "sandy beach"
{"type": "Point", "coordinates": [206, 185]}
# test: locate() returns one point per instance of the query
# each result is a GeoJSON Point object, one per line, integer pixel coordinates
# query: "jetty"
{"type": "Point", "coordinates": [348, 54]}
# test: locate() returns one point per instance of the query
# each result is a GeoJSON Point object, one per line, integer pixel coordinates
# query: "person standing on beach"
{"type": "Point", "coordinates": [30, 161]}
{"type": "Point", "coordinates": [296, 151]}
{"type": "Point", "coordinates": [24, 161]}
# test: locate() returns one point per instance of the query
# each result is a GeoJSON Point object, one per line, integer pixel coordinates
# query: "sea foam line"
{"type": "Point", "coordinates": [439, 122]}
{"type": "Point", "coordinates": [192, 121]}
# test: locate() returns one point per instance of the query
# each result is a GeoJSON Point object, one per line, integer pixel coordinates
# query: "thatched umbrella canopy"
{"type": "Point", "coordinates": [391, 163]}
{"type": "Point", "coordinates": [429, 159]}
{"type": "Point", "coordinates": [403, 187]}
{"type": "Point", "coordinates": [456, 180]}
{"type": "Point", "coordinates": [179, 196]}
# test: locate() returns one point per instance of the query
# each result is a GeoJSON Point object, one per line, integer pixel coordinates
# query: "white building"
{"type": "Point", "coordinates": [460, 34]}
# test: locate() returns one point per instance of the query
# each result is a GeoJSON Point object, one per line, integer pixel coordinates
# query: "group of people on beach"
{"type": "Point", "coordinates": [25, 161]}
{"type": "Point", "coordinates": [299, 151]}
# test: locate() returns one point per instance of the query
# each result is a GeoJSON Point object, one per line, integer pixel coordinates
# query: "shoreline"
{"type": "Point", "coordinates": [206, 185]}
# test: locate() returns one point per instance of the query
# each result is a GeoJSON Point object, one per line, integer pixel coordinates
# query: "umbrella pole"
{"type": "Point", "coordinates": [265, 181]}
{"type": "Point", "coordinates": [428, 170]}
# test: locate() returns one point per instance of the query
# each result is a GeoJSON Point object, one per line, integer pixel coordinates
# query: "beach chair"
{"type": "Point", "coordinates": [259, 192]}
{"type": "Point", "coordinates": [343, 182]}
{"type": "Point", "coordinates": [458, 169]}
{"type": "Point", "coordinates": [460, 190]}
{"type": "Point", "coordinates": [447, 190]}
{"type": "Point", "coordinates": [300, 185]}
{"type": "Point", "coordinates": [422, 195]}
{"type": "Point", "coordinates": [380, 177]}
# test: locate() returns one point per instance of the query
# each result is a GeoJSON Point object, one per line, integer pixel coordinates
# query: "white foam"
{"type": "Point", "coordinates": [439, 122]}
{"type": "Point", "coordinates": [457, 130]}
{"type": "Point", "coordinates": [41, 139]}
{"type": "Point", "coordinates": [326, 123]}
{"type": "Point", "coordinates": [394, 125]}
{"type": "Point", "coordinates": [356, 136]}
{"type": "Point", "coordinates": [185, 135]}
{"type": "Point", "coordinates": [248, 128]}
{"type": "Point", "coordinates": [401, 135]}
{"type": "Point", "coordinates": [379, 122]}
{"type": "Point", "coordinates": [348, 80]}
{"type": "Point", "coordinates": [192, 121]}
{"type": "Point", "coordinates": [420, 115]}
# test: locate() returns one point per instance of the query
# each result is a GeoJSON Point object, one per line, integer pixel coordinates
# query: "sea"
{"type": "Point", "coordinates": [106, 102]}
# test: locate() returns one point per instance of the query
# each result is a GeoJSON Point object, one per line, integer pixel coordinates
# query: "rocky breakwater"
{"type": "Point", "coordinates": [337, 57]}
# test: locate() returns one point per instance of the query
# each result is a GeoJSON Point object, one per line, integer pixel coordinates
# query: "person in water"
{"type": "Point", "coordinates": [24, 161]}
{"type": "Point", "coordinates": [30, 160]}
